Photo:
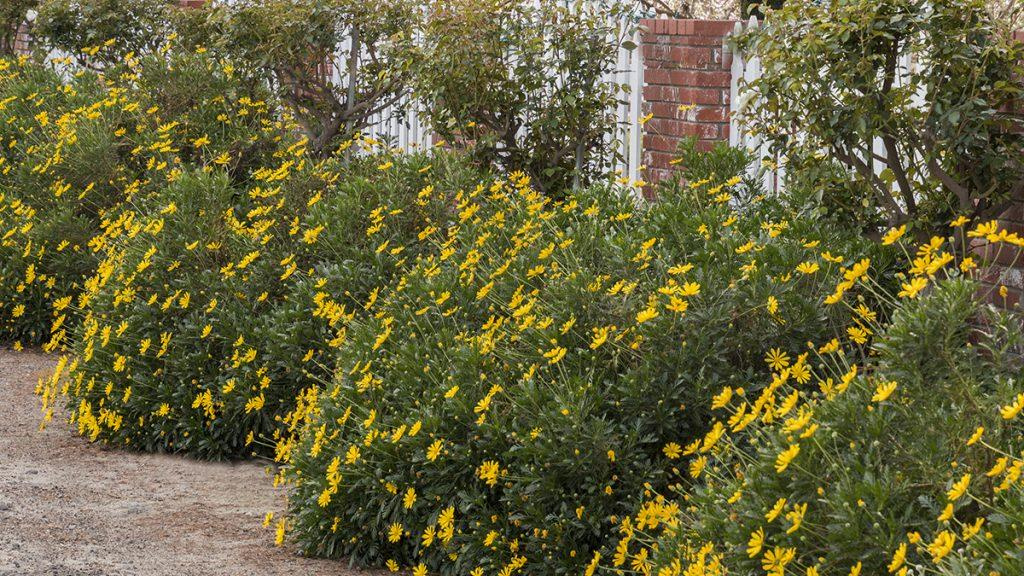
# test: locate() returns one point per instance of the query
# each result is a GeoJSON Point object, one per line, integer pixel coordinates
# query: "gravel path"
{"type": "Point", "coordinates": [69, 508]}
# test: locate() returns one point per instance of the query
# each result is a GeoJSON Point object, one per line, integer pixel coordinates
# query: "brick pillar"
{"type": "Point", "coordinates": [22, 40]}
{"type": "Point", "coordinates": [685, 63]}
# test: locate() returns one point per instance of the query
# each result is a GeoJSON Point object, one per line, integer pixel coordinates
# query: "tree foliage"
{"type": "Point", "coordinates": [99, 33]}
{"type": "Point", "coordinates": [525, 84]}
{"type": "Point", "coordinates": [837, 86]}
{"type": "Point", "coordinates": [335, 62]}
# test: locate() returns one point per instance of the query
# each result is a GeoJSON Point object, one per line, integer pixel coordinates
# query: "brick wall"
{"type": "Point", "coordinates": [686, 64]}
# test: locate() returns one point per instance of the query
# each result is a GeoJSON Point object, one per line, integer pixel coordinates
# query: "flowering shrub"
{"type": "Point", "coordinates": [101, 33]}
{"type": "Point", "coordinates": [76, 155]}
{"type": "Point", "coordinates": [513, 394]}
{"type": "Point", "coordinates": [217, 305]}
{"type": "Point", "coordinates": [900, 456]}
{"type": "Point", "coordinates": [58, 163]}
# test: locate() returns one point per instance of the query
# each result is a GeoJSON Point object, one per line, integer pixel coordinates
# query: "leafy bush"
{"type": "Point", "coordinates": [293, 43]}
{"type": "Point", "coordinates": [77, 155]}
{"type": "Point", "coordinates": [219, 304]}
{"type": "Point", "coordinates": [101, 33]}
{"type": "Point", "coordinates": [516, 391]}
{"type": "Point", "coordinates": [897, 456]}
{"type": "Point", "coordinates": [524, 85]}
{"type": "Point", "coordinates": [836, 78]}
{"type": "Point", "coordinates": [58, 166]}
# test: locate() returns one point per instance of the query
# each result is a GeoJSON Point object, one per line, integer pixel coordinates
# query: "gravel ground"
{"type": "Point", "coordinates": [70, 508]}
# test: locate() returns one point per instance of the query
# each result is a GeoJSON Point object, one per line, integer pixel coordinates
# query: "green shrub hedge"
{"type": "Point", "coordinates": [202, 328]}
{"type": "Point", "coordinates": [78, 154]}
{"type": "Point", "coordinates": [520, 388]}
{"type": "Point", "coordinates": [901, 458]}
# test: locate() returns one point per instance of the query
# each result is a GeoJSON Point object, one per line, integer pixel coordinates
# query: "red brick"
{"type": "Point", "coordinates": [679, 128]}
{"type": "Point", "coordinates": [655, 159]}
{"type": "Point", "coordinates": [684, 40]}
{"type": "Point", "coordinates": [693, 56]}
{"type": "Point", "coordinates": [700, 78]}
{"type": "Point", "coordinates": [711, 114]}
{"type": "Point", "coordinates": [657, 76]}
{"type": "Point", "coordinates": [714, 27]}
{"type": "Point", "coordinates": [657, 143]}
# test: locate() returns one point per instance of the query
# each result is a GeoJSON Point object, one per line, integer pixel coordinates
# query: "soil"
{"type": "Point", "coordinates": [71, 508]}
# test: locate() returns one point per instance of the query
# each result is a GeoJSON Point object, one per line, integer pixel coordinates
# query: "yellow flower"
{"type": "Point", "coordinates": [796, 517]}
{"type": "Point", "coordinates": [774, 561]}
{"type": "Point", "coordinates": [785, 457]}
{"type": "Point", "coordinates": [913, 288]}
{"type": "Point", "coordinates": [959, 488]}
{"type": "Point", "coordinates": [808, 267]}
{"type": "Point", "coordinates": [395, 532]}
{"type": "Point", "coordinates": [772, 514]}
{"type": "Point", "coordinates": [898, 558]}
{"type": "Point", "coordinates": [942, 545]}
{"type": "Point", "coordinates": [555, 354]}
{"type": "Point", "coordinates": [776, 359]}
{"type": "Point", "coordinates": [1012, 410]}
{"type": "Point", "coordinates": [947, 513]}
{"type": "Point", "coordinates": [998, 467]}
{"type": "Point", "coordinates": [893, 235]}
{"type": "Point", "coordinates": [721, 400]}
{"type": "Point", "coordinates": [488, 472]}
{"type": "Point", "coordinates": [409, 499]}
{"type": "Point", "coordinates": [858, 334]}
{"type": "Point", "coordinates": [976, 436]}
{"type": "Point", "coordinates": [279, 536]}
{"type": "Point", "coordinates": [600, 337]}
{"type": "Point", "coordinates": [755, 543]}
{"type": "Point", "coordinates": [697, 466]}
{"type": "Point", "coordinates": [672, 450]}
{"type": "Point", "coordinates": [971, 530]}
{"type": "Point", "coordinates": [646, 314]}
{"type": "Point", "coordinates": [883, 391]}
{"type": "Point", "coordinates": [434, 450]}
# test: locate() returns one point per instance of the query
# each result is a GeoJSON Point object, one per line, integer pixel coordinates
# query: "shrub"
{"type": "Point", "coordinates": [58, 167]}
{"type": "Point", "coordinates": [894, 457]}
{"type": "Point", "coordinates": [101, 33]}
{"type": "Point", "coordinates": [295, 44]}
{"type": "Point", "coordinates": [525, 85]}
{"type": "Point", "coordinates": [220, 303]}
{"type": "Point", "coordinates": [516, 391]}
{"type": "Point", "coordinates": [76, 156]}
{"type": "Point", "coordinates": [836, 80]}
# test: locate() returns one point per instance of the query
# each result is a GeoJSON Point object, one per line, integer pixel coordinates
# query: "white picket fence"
{"type": "Point", "coordinates": [745, 71]}
{"type": "Point", "coordinates": [405, 126]}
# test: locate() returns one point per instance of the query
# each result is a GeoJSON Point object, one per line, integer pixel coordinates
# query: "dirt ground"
{"type": "Point", "coordinates": [69, 508]}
